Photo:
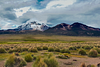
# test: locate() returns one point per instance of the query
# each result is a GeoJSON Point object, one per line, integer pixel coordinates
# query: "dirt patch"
{"type": "Point", "coordinates": [87, 61]}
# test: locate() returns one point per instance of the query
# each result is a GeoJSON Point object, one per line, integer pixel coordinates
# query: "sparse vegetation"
{"type": "Point", "coordinates": [72, 46]}
{"type": "Point", "coordinates": [51, 61]}
{"type": "Point", "coordinates": [87, 47]}
{"type": "Point", "coordinates": [63, 57]}
{"type": "Point", "coordinates": [82, 52]}
{"type": "Point", "coordinates": [33, 50]}
{"type": "Point", "coordinates": [28, 58]}
{"type": "Point", "coordinates": [57, 50]}
{"type": "Point", "coordinates": [14, 61]}
{"type": "Point", "coordinates": [45, 48]}
{"type": "Point", "coordinates": [83, 65]}
{"type": "Point", "coordinates": [50, 49]}
{"type": "Point", "coordinates": [97, 49]}
{"type": "Point", "coordinates": [2, 50]}
{"type": "Point", "coordinates": [39, 48]}
{"type": "Point", "coordinates": [93, 53]}
{"type": "Point", "coordinates": [39, 62]}
{"type": "Point", "coordinates": [65, 51]}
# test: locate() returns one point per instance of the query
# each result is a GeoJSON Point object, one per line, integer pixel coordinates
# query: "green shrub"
{"type": "Point", "coordinates": [98, 50]}
{"type": "Point", "coordinates": [82, 52]}
{"type": "Point", "coordinates": [72, 48]}
{"type": "Point", "coordinates": [65, 51]}
{"type": "Point", "coordinates": [19, 49]}
{"type": "Point", "coordinates": [39, 62]}
{"type": "Point", "coordinates": [39, 48]}
{"type": "Point", "coordinates": [22, 63]}
{"type": "Point", "coordinates": [51, 61]}
{"type": "Point", "coordinates": [45, 48]}
{"type": "Point", "coordinates": [2, 50]}
{"type": "Point", "coordinates": [33, 50]}
{"type": "Point", "coordinates": [28, 58]}
{"type": "Point", "coordinates": [87, 47]}
{"type": "Point", "coordinates": [93, 53]}
{"type": "Point", "coordinates": [24, 49]}
{"type": "Point", "coordinates": [78, 47]}
{"type": "Point", "coordinates": [10, 61]}
{"type": "Point", "coordinates": [6, 48]}
{"type": "Point", "coordinates": [50, 49]}
{"type": "Point", "coordinates": [57, 50]}
{"type": "Point", "coordinates": [13, 61]}
{"type": "Point", "coordinates": [62, 57]}
{"type": "Point", "coordinates": [12, 50]}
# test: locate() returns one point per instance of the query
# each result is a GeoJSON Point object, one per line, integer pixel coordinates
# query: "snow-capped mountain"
{"type": "Point", "coordinates": [33, 26]}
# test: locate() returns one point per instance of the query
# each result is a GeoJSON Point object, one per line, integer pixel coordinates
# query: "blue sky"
{"type": "Point", "coordinates": [52, 12]}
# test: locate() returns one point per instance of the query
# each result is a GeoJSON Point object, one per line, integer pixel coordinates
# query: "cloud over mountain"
{"type": "Point", "coordinates": [15, 12]}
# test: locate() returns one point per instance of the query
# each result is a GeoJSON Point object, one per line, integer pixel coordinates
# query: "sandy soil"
{"type": "Point", "coordinates": [87, 61]}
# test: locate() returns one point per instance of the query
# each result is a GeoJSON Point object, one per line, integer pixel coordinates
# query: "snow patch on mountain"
{"type": "Point", "coordinates": [33, 26]}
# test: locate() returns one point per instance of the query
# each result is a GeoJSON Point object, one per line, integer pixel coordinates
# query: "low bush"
{"type": "Point", "coordinates": [50, 49]}
{"type": "Point", "coordinates": [12, 50]}
{"type": "Point", "coordinates": [39, 48]}
{"type": "Point", "coordinates": [88, 47]}
{"type": "Point", "coordinates": [57, 50]}
{"type": "Point", "coordinates": [63, 57]}
{"type": "Point", "coordinates": [24, 49]}
{"type": "Point", "coordinates": [97, 49]}
{"type": "Point", "coordinates": [65, 51]}
{"type": "Point", "coordinates": [28, 58]}
{"type": "Point", "coordinates": [6, 48]}
{"type": "Point", "coordinates": [51, 61]}
{"type": "Point", "coordinates": [33, 50]}
{"type": "Point", "coordinates": [83, 65]}
{"type": "Point", "coordinates": [82, 52]}
{"type": "Point", "coordinates": [93, 53]}
{"type": "Point", "coordinates": [19, 49]}
{"type": "Point", "coordinates": [45, 48]}
{"type": "Point", "coordinates": [2, 50]}
{"type": "Point", "coordinates": [72, 48]}
{"type": "Point", "coordinates": [78, 47]}
{"type": "Point", "coordinates": [39, 62]}
{"type": "Point", "coordinates": [14, 61]}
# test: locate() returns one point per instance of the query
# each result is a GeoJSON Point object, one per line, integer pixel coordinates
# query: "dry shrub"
{"type": "Point", "coordinates": [33, 50]}
{"type": "Point", "coordinates": [28, 58]}
{"type": "Point", "coordinates": [45, 48]}
{"type": "Point", "coordinates": [57, 50]}
{"type": "Point", "coordinates": [39, 48]}
{"type": "Point", "coordinates": [82, 52]}
{"type": "Point", "coordinates": [51, 61]}
{"type": "Point", "coordinates": [2, 50]}
{"type": "Point", "coordinates": [50, 49]}
{"type": "Point", "coordinates": [39, 62]}
{"type": "Point", "coordinates": [83, 65]}
{"type": "Point", "coordinates": [14, 61]}
{"type": "Point", "coordinates": [93, 53]}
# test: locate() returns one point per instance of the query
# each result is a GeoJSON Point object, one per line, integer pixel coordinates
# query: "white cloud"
{"type": "Point", "coordinates": [21, 11]}
{"type": "Point", "coordinates": [60, 3]}
{"type": "Point", "coordinates": [49, 11]}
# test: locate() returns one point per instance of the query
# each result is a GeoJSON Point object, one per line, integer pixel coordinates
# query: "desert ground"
{"type": "Point", "coordinates": [73, 43]}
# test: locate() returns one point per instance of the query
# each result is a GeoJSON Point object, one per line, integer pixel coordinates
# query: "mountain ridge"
{"type": "Point", "coordinates": [75, 29]}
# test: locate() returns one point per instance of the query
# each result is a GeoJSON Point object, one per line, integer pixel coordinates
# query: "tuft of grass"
{"type": "Point", "coordinates": [93, 53]}
{"type": "Point", "coordinates": [28, 58]}
{"type": "Point", "coordinates": [82, 52]}
{"type": "Point", "coordinates": [2, 50]}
